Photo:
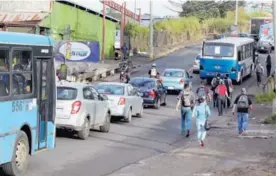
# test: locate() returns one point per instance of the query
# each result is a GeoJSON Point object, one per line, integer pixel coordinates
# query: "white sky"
{"type": "Point", "coordinates": [159, 6]}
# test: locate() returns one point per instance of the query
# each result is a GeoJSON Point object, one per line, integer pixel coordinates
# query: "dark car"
{"type": "Point", "coordinates": [152, 91]}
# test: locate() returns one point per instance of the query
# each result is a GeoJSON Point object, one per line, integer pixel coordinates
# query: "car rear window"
{"type": "Point", "coordinates": [143, 83]}
{"type": "Point", "coordinates": [110, 89]}
{"type": "Point", "coordinates": [66, 93]}
{"type": "Point", "coordinates": [171, 73]}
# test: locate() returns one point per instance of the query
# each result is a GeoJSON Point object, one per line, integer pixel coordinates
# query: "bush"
{"type": "Point", "coordinates": [270, 119]}
{"type": "Point", "coordinates": [267, 97]}
{"type": "Point", "coordinates": [133, 29]}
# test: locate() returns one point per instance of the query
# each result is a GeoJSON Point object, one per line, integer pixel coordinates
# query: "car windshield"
{"type": "Point", "coordinates": [66, 93]}
{"type": "Point", "coordinates": [110, 89]}
{"type": "Point", "coordinates": [140, 82]}
{"type": "Point", "coordinates": [173, 73]}
{"type": "Point", "coordinates": [218, 50]}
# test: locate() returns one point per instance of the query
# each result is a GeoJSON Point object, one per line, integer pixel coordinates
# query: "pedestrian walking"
{"type": "Point", "coordinates": [186, 101]}
{"type": "Point", "coordinates": [243, 106]}
{"type": "Point", "coordinates": [229, 86]}
{"type": "Point", "coordinates": [215, 83]}
{"type": "Point", "coordinates": [203, 91]}
{"type": "Point", "coordinates": [222, 94]}
{"type": "Point", "coordinates": [259, 72]}
{"type": "Point", "coordinates": [268, 65]}
{"type": "Point", "coordinates": [201, 112]}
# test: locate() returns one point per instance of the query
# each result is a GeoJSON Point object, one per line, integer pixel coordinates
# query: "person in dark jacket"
{"type": "Point", "coordinates": [268, 64]}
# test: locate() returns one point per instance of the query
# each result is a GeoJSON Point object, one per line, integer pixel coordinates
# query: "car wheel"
{"type": "Point", "coordinates": [106, 127]}
{"type": "Point", "coordinates": [157, 104]}
{"type": "Point", "coordinates": [128, 118]}
{"type": "Point", "coordinates": [84, 133]}
{"type": "Point", "coordinates": [140, 114]}
{"type": "Point", "coordinates": [19, 162]}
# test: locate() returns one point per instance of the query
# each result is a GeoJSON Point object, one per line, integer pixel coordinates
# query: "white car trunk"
{"type": "Point", "coordinates": [63, 109]}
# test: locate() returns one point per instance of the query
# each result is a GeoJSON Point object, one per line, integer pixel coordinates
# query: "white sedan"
{"type": "Point", "coordinates": [125, 100]}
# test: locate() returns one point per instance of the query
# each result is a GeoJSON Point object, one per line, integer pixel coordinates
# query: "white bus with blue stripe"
{"type": "Point", "coordinates": [232, 55]}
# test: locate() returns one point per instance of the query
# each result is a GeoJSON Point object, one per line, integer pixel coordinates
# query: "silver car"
{"type": "Point", "coordinates": [125, 100]}
{"type": "Point", "coordinates": [81, 108]}
{"type": "Point", "coordinates": [196, 64]}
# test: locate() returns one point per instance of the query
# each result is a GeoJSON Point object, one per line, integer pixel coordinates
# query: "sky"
{"type": "Point", "coordinates": [159, 6]}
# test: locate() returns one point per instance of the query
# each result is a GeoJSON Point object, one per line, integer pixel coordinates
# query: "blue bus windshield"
{"type": "Point", "coordinates": [218, 50]}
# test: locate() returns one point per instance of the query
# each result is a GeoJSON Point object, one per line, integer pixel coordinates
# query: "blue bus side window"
{"type": "Point", "coordinates": [4, 73]}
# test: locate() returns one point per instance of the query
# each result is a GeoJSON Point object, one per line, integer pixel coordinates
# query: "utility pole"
{"type": "Point", "coordinates": [151, 32]}
{"type": "Point", "coordinates": [135, 9]}
{"type": "Point", "coordinates": [103, 31]}
{"type": "Point", "coordinates": [274, 34]}
{"type": "Point", "coordinates": [237, 6]}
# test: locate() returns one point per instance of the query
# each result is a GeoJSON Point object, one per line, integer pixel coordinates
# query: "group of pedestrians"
{"type": "Point", "coordinates": [196, 105]}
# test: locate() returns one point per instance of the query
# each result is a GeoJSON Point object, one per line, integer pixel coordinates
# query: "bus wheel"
{"type": "Point", "coordinates": [19, 162]}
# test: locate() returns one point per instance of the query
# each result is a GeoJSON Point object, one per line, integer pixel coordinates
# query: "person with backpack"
{"type": "Point", "coordinates": [268, 65]}
{"type": "Point", "coordinates": [229, 86]}
{"type": "Point", "coordinates": [186, 101]}
{"type": "Point", "coordinates": [242, 105]}
{"type": "Point", "coordinates": [203, 91]}
{"type": "Point", "coordinates": [153, 72]}
{"type": "Point", "coordinates": [259, 72]}
{"type": "Point", "coordinates": [201, 112]}
{"type": "Point", "coordinates": [214, 84]}
{"type": "Point", "coordinates": [221, 91]}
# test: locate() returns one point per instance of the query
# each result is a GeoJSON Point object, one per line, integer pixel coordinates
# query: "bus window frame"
{"type": "Point", "coordinates": [8, 97]}
{"type": "Point", "coordinates": [32, 94]}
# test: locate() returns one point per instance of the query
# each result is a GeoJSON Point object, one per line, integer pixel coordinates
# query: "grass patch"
{"type": "Point", "coordinates": [270, 119]}
{"type": "Point", "coordinates": [266, 97]}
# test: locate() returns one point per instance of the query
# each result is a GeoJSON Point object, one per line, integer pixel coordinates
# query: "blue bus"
{"type": "Point", "coordinates": [27, 99]}
{"type": "Point", "coordinates": [233, 55]}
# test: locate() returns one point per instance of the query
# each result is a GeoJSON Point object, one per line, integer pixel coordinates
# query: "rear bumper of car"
{"type": "Point", "coordinates": [74, 122]}
{"type": "Point", "coordinates": [118, 110]}
{"type": "Point", "coordinates": [149, 101]}
{"type": "Point", "coordinates": [176, 86]}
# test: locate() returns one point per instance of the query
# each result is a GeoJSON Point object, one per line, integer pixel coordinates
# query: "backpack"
{"type": "Point", "coordinates": [201, 92]}
{"type": "Point", "coordinates": [259, 69]}
{"type": "Point", "coordinates": [243, 102]}
{"type": "Point", "coordinates": [226, 82]}
{"type": "Point", "coordinates": [186, 99]}
{"type": "Point", "coordinates": [153, 72]}
{"type": "Point", "coordinates": [215, 83]}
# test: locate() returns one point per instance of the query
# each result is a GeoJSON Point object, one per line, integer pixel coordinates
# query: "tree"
{"type": "Point", "coordinates": [208, 9]}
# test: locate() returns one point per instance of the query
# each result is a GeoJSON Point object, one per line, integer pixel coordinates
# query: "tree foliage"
{"type": "Point", "coordinates": [208, 9]}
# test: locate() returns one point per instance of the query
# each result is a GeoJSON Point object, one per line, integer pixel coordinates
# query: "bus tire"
{"type": "Point", "coordinates": [19, 163]}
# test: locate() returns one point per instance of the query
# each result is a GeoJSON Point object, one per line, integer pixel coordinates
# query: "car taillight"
{"type": "Point", "coordinates": [76, 106]}
{"type": "Point", "coordinates": [121, 101]}
{"type": "Point", "coordinates": [182, 81]}
{"type": "Point", "coordinates": [152, 94]}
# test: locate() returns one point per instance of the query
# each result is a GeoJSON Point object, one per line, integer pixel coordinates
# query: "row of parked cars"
{"type": "Point", "coordinates": [82, 107]}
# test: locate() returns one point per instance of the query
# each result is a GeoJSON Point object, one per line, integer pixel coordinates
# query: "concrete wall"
{"type": "Point", "coordinates": [85, 26]}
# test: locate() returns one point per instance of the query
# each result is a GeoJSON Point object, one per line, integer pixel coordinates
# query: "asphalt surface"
{"type": "Point", "coordinates": [156, 132]}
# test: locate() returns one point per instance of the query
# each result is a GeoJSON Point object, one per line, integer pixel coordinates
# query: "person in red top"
{"type": "Point", "coordinates": [222, 93]}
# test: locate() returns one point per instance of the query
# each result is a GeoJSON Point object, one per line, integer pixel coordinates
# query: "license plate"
{"type": "Point", "coordinates": [170, 88]}
{"type": "Point", "coordinates": [217, 67]}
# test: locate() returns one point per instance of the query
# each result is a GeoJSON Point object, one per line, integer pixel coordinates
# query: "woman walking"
{"type": "Point", "coordinates": [201, 112]}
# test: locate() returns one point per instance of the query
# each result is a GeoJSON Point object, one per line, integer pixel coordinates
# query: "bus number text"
{"type": "Point", "coordinates": [17, 106]}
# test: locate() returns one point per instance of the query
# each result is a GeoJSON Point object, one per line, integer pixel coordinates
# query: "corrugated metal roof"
{"type": "Point", "coordinates": [16, 17]}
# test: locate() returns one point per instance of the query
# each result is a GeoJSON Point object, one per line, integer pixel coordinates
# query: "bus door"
{"type": "Point", "coordinates": [43, 98]}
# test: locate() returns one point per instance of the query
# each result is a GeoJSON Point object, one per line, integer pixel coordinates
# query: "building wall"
{"type": "Point", "coordinates": [84, 26]}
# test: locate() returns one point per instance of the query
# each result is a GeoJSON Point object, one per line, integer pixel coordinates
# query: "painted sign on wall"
{"type": "Point", "coordinates": [80, 51]}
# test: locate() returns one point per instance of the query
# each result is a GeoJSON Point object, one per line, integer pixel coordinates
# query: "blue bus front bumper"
{"type": "Point", "coordinates": [210, 75]}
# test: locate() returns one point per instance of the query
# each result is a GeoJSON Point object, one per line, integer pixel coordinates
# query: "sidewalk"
{"type": "Point", "coordinates": [224, 153]}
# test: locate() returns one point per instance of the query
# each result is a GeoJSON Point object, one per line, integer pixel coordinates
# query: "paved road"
{"type": "Point", "coordinates": [102, 154]}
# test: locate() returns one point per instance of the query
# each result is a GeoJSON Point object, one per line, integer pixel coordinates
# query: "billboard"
{"type": "Point", "coordinates": [77, 51]}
